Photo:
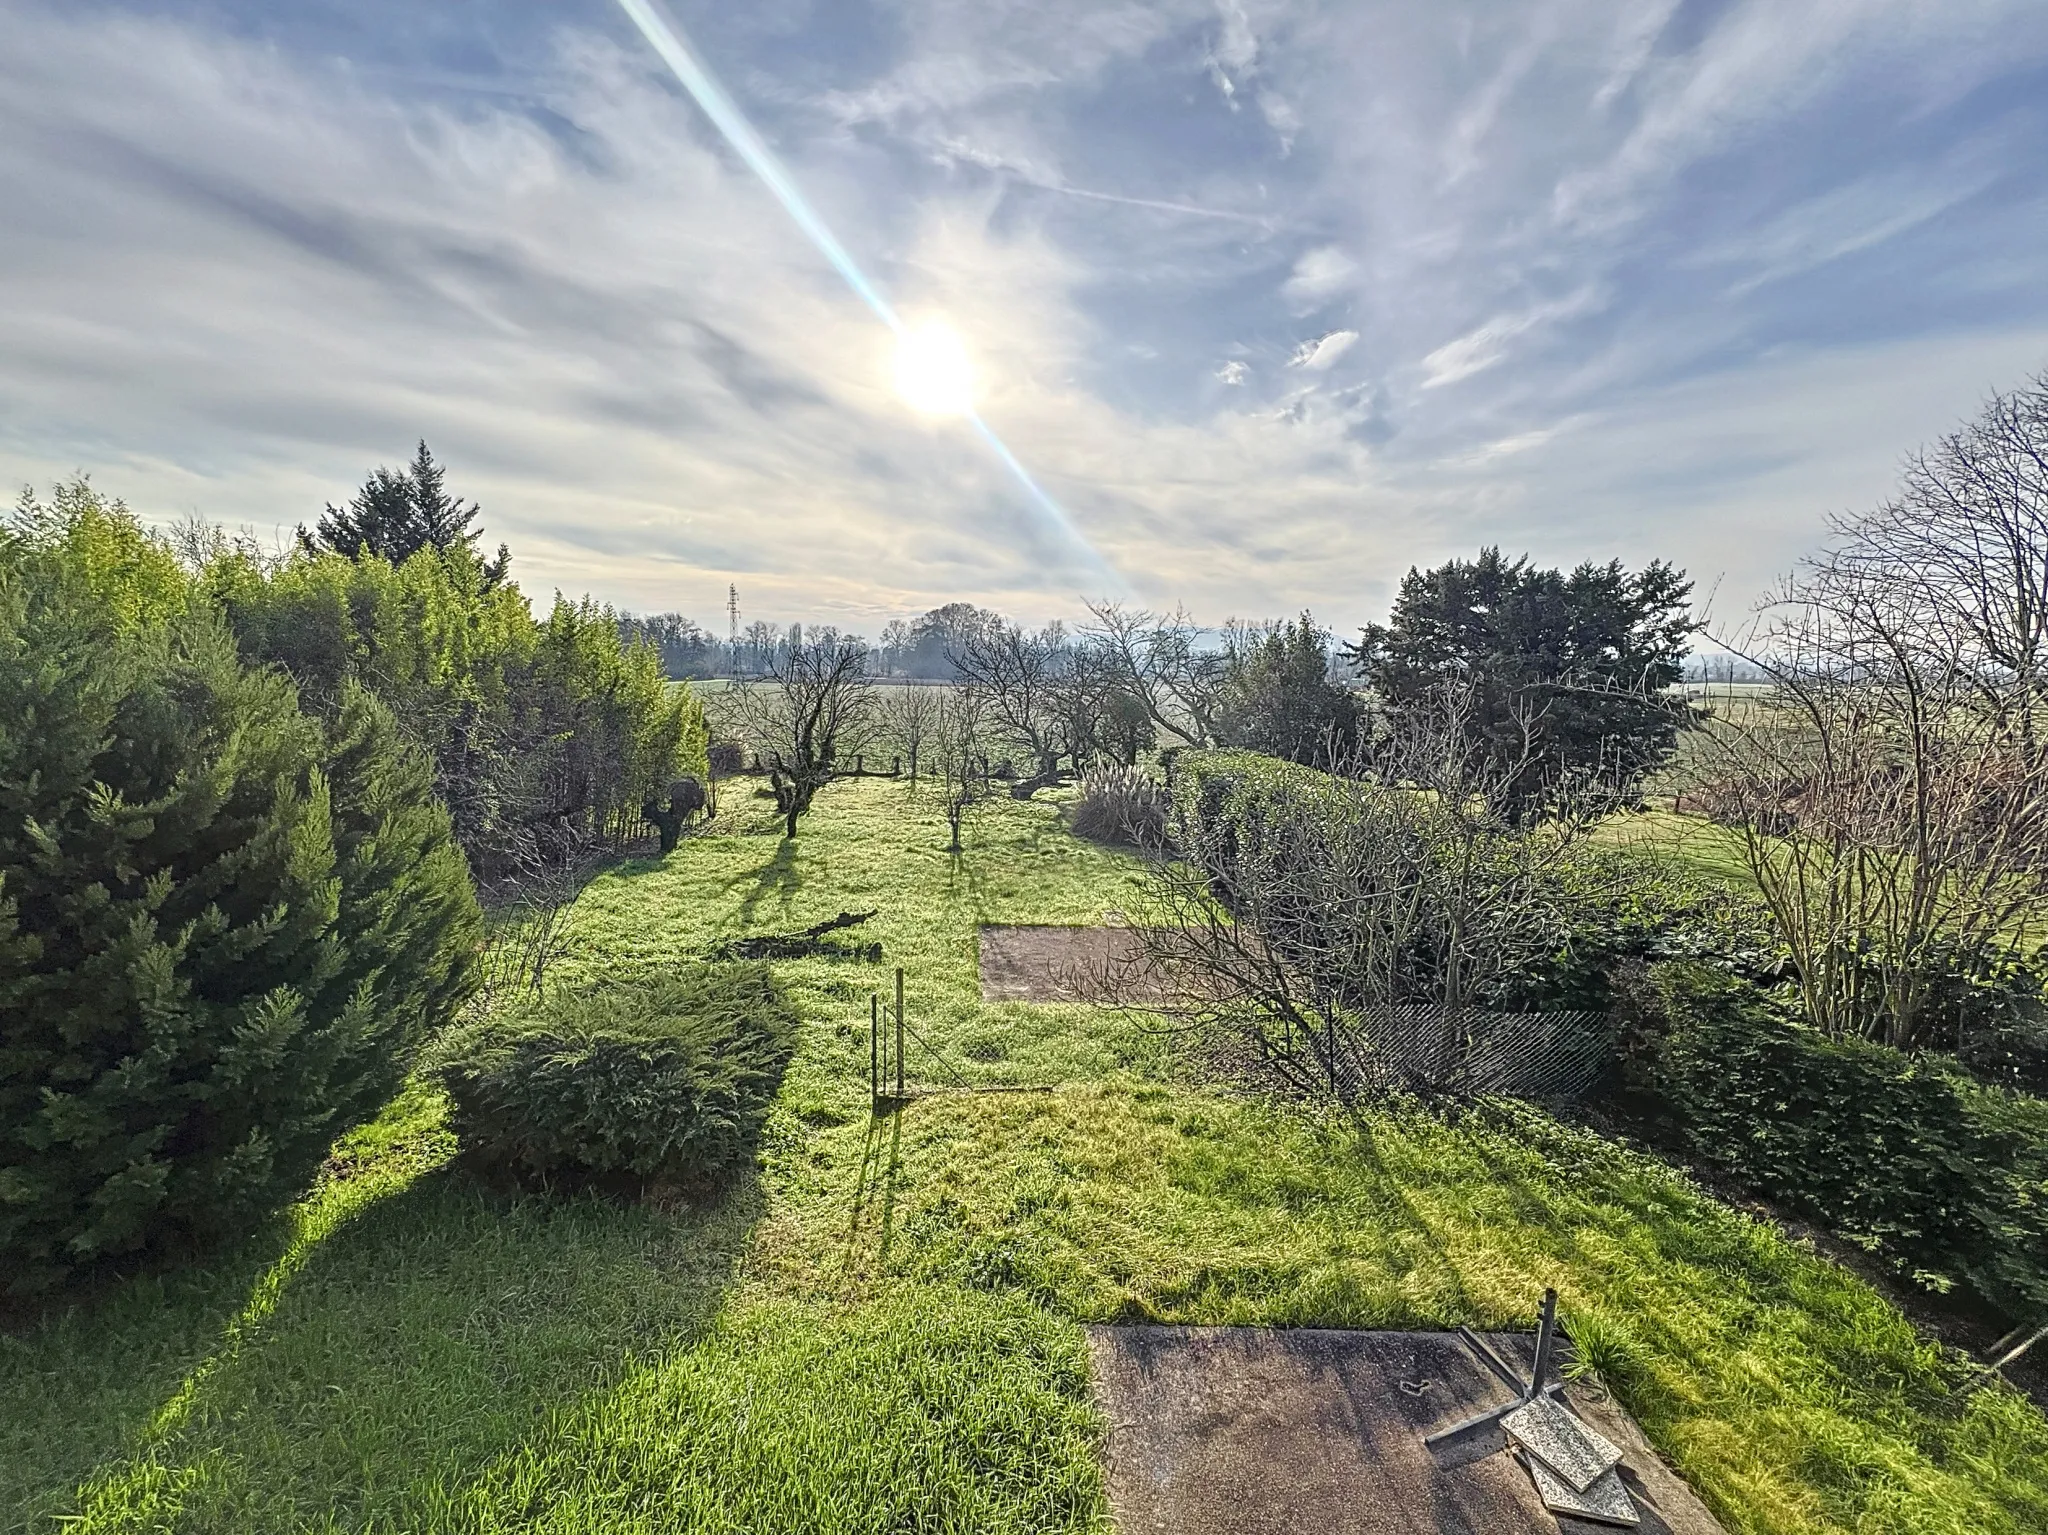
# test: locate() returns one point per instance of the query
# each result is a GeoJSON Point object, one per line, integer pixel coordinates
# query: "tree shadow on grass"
{"type": "Point", "coordinates": [419, 1342]}
{"type": "Point", "coordinates": [776, 879]}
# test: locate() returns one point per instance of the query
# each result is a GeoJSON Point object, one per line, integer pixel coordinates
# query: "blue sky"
{"type": "Point", "coordinates": [1276, 300]}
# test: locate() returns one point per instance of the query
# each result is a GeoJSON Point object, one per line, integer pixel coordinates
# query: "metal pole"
{"type": "Point", "coordinates": [1546, 1328]}
{"type": "Point", "coordinates": [899, 1033]}
{"type": "Point", "coordinates": [2006, 1358]}
{"type": "Point", "coordinates": [874, 1050]}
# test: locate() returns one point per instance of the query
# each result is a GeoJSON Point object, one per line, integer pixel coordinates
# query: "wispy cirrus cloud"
{"type": "Point", "coordinates": [1277, 298]}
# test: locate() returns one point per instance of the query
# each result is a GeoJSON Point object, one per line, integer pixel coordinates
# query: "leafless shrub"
{"type": "Point", "coordinates": [529, 905]}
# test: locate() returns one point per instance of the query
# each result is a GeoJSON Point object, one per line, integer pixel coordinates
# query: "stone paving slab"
{"type": "Point", "coordinates": [1060, 964]}
{"type": "Point", "coordinates": [1307, 1431]}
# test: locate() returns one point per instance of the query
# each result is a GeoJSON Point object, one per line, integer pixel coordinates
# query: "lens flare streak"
{"type": "Point", "coordinates": [666, 39]}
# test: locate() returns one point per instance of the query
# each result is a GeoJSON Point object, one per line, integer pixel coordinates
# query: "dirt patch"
{"type": "Point", "coordinates": [1262, 1431]}
{"type": "Point", "coordinates": [1066, 964]}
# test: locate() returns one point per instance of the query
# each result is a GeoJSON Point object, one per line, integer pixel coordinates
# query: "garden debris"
{"type": "Point", "coordinates": [808, 944]}
{"type": "Point", "coordinates": [1605, 1500]}
{"type": "Point", "coordinates": [1567, 1448]}
{"type": "Point", "coordinates": [1575, 1468]}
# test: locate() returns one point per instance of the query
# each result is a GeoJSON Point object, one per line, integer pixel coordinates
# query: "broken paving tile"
{"type": "Point", "coordinates": [1574, 1451]}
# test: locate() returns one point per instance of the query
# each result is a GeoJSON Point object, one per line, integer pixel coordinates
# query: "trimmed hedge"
{"type": "Point", "coordinates": [661, 1078]}
{"type": "Point", "coordinates": [1944, 1178]}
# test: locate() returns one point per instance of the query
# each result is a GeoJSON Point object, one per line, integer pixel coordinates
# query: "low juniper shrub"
{"type": "Point", "coordinates": [628, 1082]}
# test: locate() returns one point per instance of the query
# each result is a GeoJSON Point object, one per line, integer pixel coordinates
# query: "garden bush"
{"type": "Point", "coordinates": [1121, 806]}
{"type": "Point", "coordinates": [641, 1079]}
{"type": "Point", "coordinates": [1943, 1177]}
{"type": "Point", "coordinates": [224, 927]}
{"type": "Point", "coordinates": [532, 725]}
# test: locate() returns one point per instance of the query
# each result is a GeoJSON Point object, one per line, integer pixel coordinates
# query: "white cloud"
{"type": "Point", "coordinates": [237, 276]}
{"type": "Point", "coordinates": [1320, 275]}
{"type": "Point", "coordinates": [1317, 355]}
{"type": "Point", "coordinates": [1487, 345]}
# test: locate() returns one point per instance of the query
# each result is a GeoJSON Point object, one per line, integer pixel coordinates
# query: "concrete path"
{"type": "Point", "coordinates": [1264, 1431]}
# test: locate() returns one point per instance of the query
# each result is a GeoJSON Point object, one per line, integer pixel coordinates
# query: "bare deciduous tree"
{"type": "Point", "coordinates": [960, 754]}
{"type": "Point", "coordinates": [1161, 662]}
{"type": "Point", "coordinates": [815, 710]}
{"type": "Point", "coordinates": [1962, 555]}
{"type": "Point", "coordinates": [1017, 675]}
{"type": "Point", "coordinates": [908, 717]}
{"type": "Point", "coordinates": [1890, 792]}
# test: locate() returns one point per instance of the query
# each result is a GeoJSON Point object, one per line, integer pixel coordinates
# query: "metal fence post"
{"type": "Point", "coordinates": [899, 1034]}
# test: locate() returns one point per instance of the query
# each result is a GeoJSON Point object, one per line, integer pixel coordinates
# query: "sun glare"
{"type": "Point", "coordinates": [932, 373]}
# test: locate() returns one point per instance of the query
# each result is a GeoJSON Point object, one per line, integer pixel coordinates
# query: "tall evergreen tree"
{"type": "Point", "coordinates": [1567, 673]}
{"type": "Point", "coordinates": [399, 512]}
{"type": "Point", "coordinates": [223, 928]}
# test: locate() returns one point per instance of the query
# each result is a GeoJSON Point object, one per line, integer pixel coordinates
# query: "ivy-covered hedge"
{"type": "Point", "coordinates": [659, 1078]}
{"type": "Point", "coordinates": [1943, 1177]}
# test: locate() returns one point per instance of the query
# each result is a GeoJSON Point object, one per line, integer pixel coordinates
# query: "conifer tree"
{"type": "Point", "coordinates": [399, 512]}
{"type": "Point", "coordinates": [223, 928]}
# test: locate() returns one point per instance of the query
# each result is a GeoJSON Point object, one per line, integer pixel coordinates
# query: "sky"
{"type": "Point", "coordinates": [1272, 300]}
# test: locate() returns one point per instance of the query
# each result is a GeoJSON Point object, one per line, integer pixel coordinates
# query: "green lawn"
{"type": "Point", "coordinates": [878, 1330]}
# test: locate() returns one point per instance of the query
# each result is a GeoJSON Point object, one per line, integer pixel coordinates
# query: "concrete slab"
{"type": "Point", "coordinates": [1064, 964]}
{"type": "Point", "coordinates": [1265, 1431]}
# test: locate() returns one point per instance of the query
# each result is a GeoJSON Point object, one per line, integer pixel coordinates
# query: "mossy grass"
{"type": "Point", "coordinates": [878, 1328]}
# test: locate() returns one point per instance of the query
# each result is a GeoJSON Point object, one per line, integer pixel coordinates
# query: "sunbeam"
{"type": "Point", "coordinates": [666, 38]}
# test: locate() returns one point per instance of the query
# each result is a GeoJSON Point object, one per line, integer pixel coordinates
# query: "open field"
{"type": "Point", "coordinates": [881, 1328]}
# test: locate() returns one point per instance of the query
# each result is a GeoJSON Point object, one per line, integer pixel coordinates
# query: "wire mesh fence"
{"type": "Point", "coordinates": [1553, 1057]}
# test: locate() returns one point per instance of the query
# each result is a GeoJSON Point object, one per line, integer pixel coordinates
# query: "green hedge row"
{"type": "Point", "coordinates": [226, 924]}
{"type": "Point", "coordinates": [1943, 1177]}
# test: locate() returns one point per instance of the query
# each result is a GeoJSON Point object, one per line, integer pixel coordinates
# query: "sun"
{"type": "Point", "coordinates": [932, 372]}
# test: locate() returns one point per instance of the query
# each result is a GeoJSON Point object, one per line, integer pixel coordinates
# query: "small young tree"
{"type": "Point", "coordinates": [959, 752]}
{"type": "Point", "coordinates": [908, 716]}
{"type": "Point", "coordinates": [815, 710]}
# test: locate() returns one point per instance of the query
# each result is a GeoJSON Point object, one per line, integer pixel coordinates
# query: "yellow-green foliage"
{"type": "Point", "coordinates": [224, 929]}
{"type": "Point", "coordinates": [557, 716]}
{"type": "Point", "coordinates": [880, 1331]}
{"type": "Point", "coordinates": [131, 578]}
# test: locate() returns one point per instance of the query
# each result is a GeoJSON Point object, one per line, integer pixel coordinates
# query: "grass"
{"type": "Point", "coordinates": [878, 1329]}
{"type": "Point", "coordinates": [1691, 843]}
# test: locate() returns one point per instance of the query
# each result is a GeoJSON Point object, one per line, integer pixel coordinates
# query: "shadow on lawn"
{"type": "Point", "coordinates": [382, 1363]}
{"type": "Point", "coordinates": [777, 878]}
{"type": "Point", "coordinates": [881, 1163]}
